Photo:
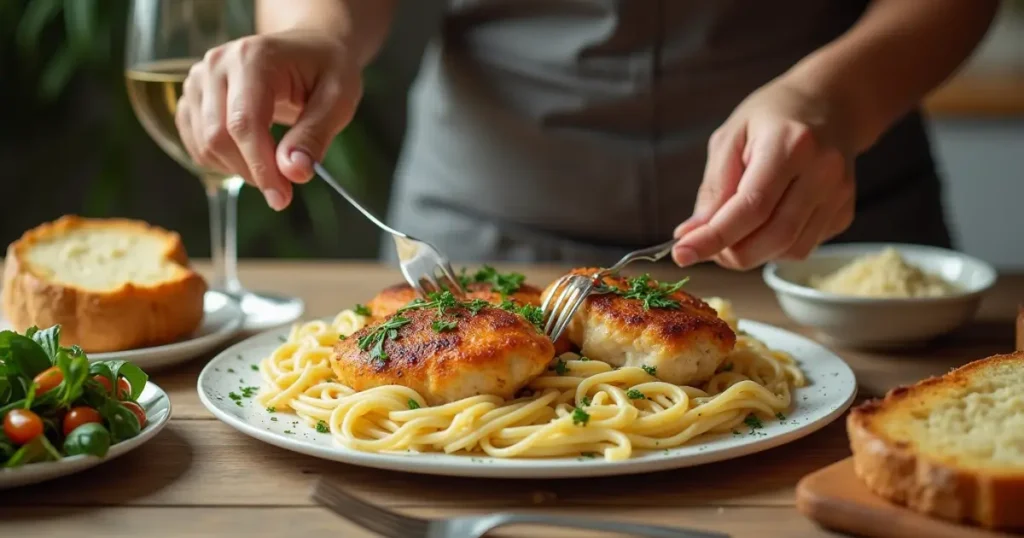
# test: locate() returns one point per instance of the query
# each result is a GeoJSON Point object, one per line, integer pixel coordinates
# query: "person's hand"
{"type": "Point", "coordinates": [231, 98]}
{"type": "Point", "coordinates": [776, 184]}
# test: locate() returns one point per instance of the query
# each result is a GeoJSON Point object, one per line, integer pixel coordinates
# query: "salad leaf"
{"type": "Point", "coordinates": [76, 370]}
{"type": "Point", "coordinates": [38, 449]}
{"type": "Point", "coordinates": [16, 404]}
{"type": "Point", "coordinates": [22, 356]}
{"type": "Point", "coordinates": [48, 339]}
{"type": "Point", "coordinates": [135, 376]}
{"type": "Point", "coordinates": [7, 448]}
{"type": "Point", "coordinates": [101, 369]}
{"type": "Point", "coordinates": [92, 439]}
{"type": "Point", "coordinates": [122, 422]}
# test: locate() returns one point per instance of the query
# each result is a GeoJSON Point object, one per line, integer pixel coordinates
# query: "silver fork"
{"type": "Point", "coordinates": [393, 525]}
{"type": "Point", "coordinates": [419, 260]}
{"type": "Point", "coordinates": [569, 291]}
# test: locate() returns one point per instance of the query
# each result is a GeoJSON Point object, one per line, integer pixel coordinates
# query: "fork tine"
{"type": "Point", "coordinates": [555, 307]}
{"type": "Point", "coordinates": [554, 293]}
{"type": "Point", "coordinates": [568, 313]}
{"type": "Point", "coordinates": [452, 282]}
{"type": "Point", "coordinates": [369, 516]}
{"type": "Point", "coordinates": [573, 297]}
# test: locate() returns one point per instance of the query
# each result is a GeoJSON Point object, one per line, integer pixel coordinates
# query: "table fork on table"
{"type": "Point", "coordinates": [420, 261]}
{"type": "Point", "coordinates": [394, 525]}
{"type": "Point", "coordinates": [569, 291]}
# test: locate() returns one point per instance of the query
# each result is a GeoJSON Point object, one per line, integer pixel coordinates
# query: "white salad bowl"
{"type": "Point", "coordinates": [880, 322]}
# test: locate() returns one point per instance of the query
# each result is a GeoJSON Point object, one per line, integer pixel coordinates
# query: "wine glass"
{"type": "Point", "coordinates": [165, 37]}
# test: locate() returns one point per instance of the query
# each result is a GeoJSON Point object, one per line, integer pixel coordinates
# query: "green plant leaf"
{"type": "Point", "coordinates": [49, 340]}
{"type": "Point", "coordinates": [22, 355]}
{"type": "Point", "coordinates": [58, 73]}
{"type": "Point", "coordinates": [81, 24]}
{"type": "Point", "coordinates": [37, 15]}
{"type": "Point", "coordinates": [92, 439]}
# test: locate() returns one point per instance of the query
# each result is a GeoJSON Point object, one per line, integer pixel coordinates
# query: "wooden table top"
{"type": "Point", "coordinates": [199, 477]}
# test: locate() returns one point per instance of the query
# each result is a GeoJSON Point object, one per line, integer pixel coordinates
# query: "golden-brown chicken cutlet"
{"type": "Point", "coordinates": [390, 299]}
{"type": "Point", "coordinates": [676, 334]}
{"type": "Point", "coordinates": [445, 356]}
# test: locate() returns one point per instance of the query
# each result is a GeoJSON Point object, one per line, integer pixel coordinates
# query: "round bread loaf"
{"type": "Point", "coordinates": [111, 284]}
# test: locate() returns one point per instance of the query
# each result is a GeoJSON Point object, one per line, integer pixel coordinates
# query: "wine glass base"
{"type": "Point", "coordinates": [265, 311]}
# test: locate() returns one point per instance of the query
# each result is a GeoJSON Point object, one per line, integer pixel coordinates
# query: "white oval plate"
{"type": "Point", "coordinates": [222, 319]}
{"type": "Point", "coordinates": [158, 411]}
{"type": "Point", "coordinates": [830, 391]}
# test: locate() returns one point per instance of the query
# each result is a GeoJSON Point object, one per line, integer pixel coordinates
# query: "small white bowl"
{"type": "Point", "coordinates": [880, 322]}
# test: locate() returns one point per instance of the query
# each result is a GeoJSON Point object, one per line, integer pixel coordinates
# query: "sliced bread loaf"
{"type": "Point", "coordinates": [112, 284]}
{"type": "Point", "coordinates": [950, 446]}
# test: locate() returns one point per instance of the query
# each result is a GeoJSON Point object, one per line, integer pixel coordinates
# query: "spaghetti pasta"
{"type": "Point", "coordinates": [579, 407]}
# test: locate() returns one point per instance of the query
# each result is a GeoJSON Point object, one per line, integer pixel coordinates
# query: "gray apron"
{"type": "Point", "coordinates": [576, 130]}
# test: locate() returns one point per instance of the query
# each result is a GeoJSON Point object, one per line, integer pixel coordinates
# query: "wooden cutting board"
{"type": "Point", "coordinates": [836, 499]}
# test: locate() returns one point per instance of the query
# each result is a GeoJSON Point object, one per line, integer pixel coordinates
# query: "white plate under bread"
{"type": "Point", "coordinates": [116, 287]}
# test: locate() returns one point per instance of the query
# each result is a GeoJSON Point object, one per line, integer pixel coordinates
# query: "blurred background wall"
{"type": "Point", "coordinates": [69, 142]}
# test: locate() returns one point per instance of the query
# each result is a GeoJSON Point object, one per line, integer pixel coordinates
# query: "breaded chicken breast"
{"type": "Point", "coordinates": [673, 334]}
{"type": "Point", "coordinates": [445, 354]}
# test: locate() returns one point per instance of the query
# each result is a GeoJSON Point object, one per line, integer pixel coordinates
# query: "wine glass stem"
{"type": "Point", "coordinates": [222, 195]}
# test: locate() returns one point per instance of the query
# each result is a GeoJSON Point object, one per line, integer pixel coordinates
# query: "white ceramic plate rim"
{"type": "Point", "coordinates": [39, 472]}
{"type": "Point", "coordinates": [487, 467]}
{"type": "Point", "coordinates": [779, 284]}
{"type": "Point", "coordinates": [183, 350]}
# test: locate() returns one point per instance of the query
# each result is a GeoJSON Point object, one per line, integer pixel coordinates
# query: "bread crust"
{"type": "Point", "coordinates": [129, 317]}
{"type": "Point", "coordinates": [895, 471]}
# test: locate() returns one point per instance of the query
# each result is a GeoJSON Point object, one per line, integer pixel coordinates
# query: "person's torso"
{"type": "Point", "coordinates": [589, 119]}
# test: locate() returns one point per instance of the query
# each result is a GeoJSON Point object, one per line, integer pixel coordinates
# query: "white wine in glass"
{"type": "Point", "coordinates": [165, 38]}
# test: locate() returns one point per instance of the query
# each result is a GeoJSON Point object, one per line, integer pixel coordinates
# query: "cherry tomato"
{"type": "Point", "coordinates": [80, 415]}
{"type": "Point", "coordinates": [104, 382]}
{"type": "Point", "coordinates": [48, 379]}
{"type": "Point", "coordinates": [22, 426]}
{"type": "Point", "coordinates": [124, 389]}
{"type": "Point", "coordinates": [140, 413]}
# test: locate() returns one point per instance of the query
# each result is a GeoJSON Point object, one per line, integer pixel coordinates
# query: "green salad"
{"type": "Point", "coordinates": [55, 403]}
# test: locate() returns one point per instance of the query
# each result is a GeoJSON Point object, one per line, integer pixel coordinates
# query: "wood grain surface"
{"type": "Point", "coordinates": [199, 477]}
{"type": "Point", "coordinates": [837, 499]}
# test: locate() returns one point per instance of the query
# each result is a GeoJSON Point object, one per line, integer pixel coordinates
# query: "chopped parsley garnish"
{"type": "Point", "coordinates": [440, 325]}
{"type": "Point", "coordinates": [362, 310]}
{"type": "Point", "coordinates": [321, 427]}
{"type": "Point", "coordinates": [413, 404]}
{"type": "Point", "coordinates": [560, 367]}
{"type": "Point", "coordinates": [273, 419]}
{"type": "Point", "coordinates": [374, 340]}
{"type": "Point", "coordinates": [651, 295]}
{"type": "Point", "coordinates": [249, 392]}
{"type": "Point", "coordinates": [580, 417]}
{"type": "Point", "coordinates": [585, 401]}
{"type": "Point", "coordinates": [254, 367]}
{"type": "Point", "coordinates": [282, 338]}
{"type": "Point", "coordinates": [503, 283]}
{"type": "Point", "coordinates": [533, 314]}
{"type": "Point", "coordinates": [651, 370]}
{"type": "Point", "coordinates": [445, 303]}
{"type": "Point", "coordinates": [289, 432]}
{"type": "Point", "coordinates": [634, 394]}
{"type": "Point", "coordinates": [231, 370]}
{"type": "Point", "coordinates": [583, 359]}
{"type": "Point", "coordinates": [271, 409]}
{"type": "Point", "coordinates": [753, 422]}
{"type": "Point", "coordinates": [590, 455]}
{"type": "Point", "coordinates": [780, 416]}
{"type": "Point", "coordinates": [342, 337]}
